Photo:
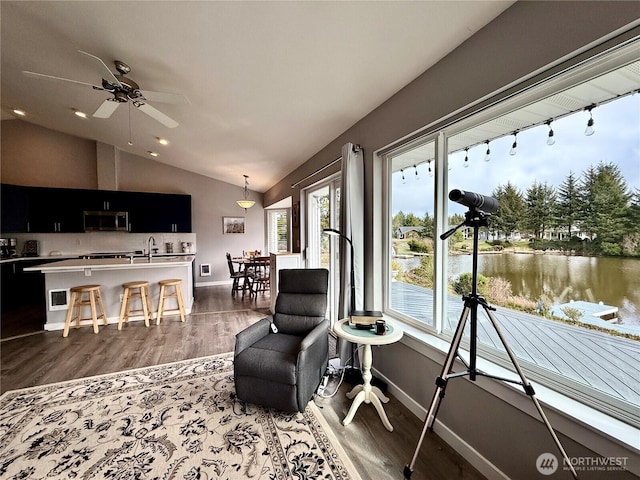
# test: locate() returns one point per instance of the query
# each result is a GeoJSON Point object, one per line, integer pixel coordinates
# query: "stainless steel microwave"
{"type": "Point", "coordinates": [106, 221]}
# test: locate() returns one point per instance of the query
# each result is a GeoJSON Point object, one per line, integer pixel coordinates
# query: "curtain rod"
{"type": "Point", "coordinates": [294, 185]}
{"type": "Point", "coordinates": [356, 148]}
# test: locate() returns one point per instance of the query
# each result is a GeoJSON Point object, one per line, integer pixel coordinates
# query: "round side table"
{"type": "Point", "coordinates": [366, 392]}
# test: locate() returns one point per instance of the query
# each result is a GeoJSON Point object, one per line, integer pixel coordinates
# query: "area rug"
{"type": "Point", "coordinates": [176, 421]}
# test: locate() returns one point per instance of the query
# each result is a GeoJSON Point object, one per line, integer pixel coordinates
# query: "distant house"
{"type": "Point", "coordinates": [409, 232]}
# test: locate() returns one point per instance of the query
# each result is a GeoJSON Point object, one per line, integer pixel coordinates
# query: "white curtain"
{"type": "Point", "coordinates": [351, 226]}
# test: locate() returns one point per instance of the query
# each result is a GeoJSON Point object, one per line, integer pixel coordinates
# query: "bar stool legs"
{"type": "Point", "coordinates": [134, 290]}
{"type": "Point", "coordinates": [165, 293]}
{"type": "Point", "coordinates": [77, 301]}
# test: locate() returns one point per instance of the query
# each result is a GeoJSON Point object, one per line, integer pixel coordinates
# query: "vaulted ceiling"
{"type": "Point", "coordinates": [268, 83]}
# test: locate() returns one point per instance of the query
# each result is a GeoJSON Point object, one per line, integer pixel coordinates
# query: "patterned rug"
{"type": "Point", "coordinates": [176, 421]}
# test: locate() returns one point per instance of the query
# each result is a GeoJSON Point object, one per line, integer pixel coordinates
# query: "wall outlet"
{"type": "Point", "coordinates": [87, 272]}
{"type": "Point", "coordinates": [121, 297]}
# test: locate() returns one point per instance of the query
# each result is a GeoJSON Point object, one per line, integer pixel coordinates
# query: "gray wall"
{"type": "Point", "coordinates": [526, 38]}
{"type": "Point", "coordinates": [36, 156]}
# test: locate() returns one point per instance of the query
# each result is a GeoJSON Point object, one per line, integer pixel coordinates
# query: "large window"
{"type": "Point", "coordinates": [559, 258]}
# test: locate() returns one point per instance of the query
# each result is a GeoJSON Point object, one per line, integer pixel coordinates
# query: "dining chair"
{"type": "Point", "coordinates": [237, 277]}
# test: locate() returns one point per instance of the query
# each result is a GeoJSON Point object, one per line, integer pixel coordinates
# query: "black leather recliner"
{"type": "Point", "coordinates": [282, 370]}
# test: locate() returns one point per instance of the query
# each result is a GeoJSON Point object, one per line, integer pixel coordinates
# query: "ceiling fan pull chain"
{"type": "Point", "coordinates": [130, 141]}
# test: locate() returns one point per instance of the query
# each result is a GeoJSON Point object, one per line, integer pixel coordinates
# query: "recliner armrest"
{"type": "Point", "coordinates": [252, 334]}
{"type": "Point", "coordinates": [312, 337]}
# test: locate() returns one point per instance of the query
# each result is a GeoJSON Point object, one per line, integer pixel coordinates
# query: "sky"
{"type": "Point", "coordinates": [616, 140]}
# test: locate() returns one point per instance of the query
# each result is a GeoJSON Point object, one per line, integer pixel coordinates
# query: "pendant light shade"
{"type": "Point", "coordinates": [245, 202]}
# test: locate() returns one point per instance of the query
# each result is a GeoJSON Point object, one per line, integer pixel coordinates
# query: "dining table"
{"type": "Point", "coordinates": [250, 266]}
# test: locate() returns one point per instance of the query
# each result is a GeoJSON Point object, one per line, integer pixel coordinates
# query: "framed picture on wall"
{"type": "Point", "coordinates": [232, 225]}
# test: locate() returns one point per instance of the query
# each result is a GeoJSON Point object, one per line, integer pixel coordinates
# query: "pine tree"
{"type": "Point", "coordinates": [540, 209]}
{"type": "Point", "coordinates": [508, 218]}
{"type": "Point", "coordinates": [569, 203]}
{"type": "Point", "coordinates": [606, 203]}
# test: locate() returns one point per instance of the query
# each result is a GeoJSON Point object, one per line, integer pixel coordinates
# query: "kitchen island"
{"type": "Point", "coordinates": [110, 274]}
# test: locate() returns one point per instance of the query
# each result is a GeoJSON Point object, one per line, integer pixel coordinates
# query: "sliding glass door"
{"type": "Point", "coordinates": [322, 206]}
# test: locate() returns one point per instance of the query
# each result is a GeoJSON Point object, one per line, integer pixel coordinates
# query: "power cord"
{"type": "Point", "coordinates": [323, 384]}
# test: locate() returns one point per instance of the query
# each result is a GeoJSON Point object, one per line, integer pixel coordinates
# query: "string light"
{"type": "Point", "coordinates": [403, 179]}
{"type": "Point", "coordinates": [487, 156]}
{"type": "Point", "coordinates": [416, 169]}
{"type": "Point", "coordinates": [430, 171]}
{"type": "Point", "coordinates": [589, 130]}
{"type": "Point", "coordinates": [466, 157]}
{"type": "Point", "coordinates": [550, 138]}
{"type": "Point", "coordinates": [514, 146]}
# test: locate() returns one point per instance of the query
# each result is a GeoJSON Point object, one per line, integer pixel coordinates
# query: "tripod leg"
{"type": "Point", "coordinates": [528, 389]}
{"type": "Point", "coordinates": [441, 383]}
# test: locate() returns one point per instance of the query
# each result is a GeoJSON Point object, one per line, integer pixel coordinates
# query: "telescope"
{"type": "Point", "coordinates": [474, 200]}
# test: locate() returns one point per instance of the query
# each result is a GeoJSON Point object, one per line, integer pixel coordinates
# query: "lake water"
{"type": "Point", "coordinates": [611, 280]}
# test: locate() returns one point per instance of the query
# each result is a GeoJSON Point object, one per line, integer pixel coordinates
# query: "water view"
{"type": "Point", "coordinates": [611, 280]}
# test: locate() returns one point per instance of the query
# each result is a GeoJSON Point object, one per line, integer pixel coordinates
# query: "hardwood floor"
{"type": "Point", "coordinates": [47, 357]}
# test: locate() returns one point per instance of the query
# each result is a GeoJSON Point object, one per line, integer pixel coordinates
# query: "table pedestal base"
{"type": "Point", "coordinates": [367, 393]}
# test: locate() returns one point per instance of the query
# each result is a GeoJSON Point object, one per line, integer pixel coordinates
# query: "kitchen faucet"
{"type": "Point", "coordinates": [151, 242]}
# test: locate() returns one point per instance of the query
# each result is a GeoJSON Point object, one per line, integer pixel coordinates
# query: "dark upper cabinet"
{"type": "Point", "coordinates": [160, 212]}
{"type": "Point", "coordinates": [60, 210]}
{"type": "Point", "coordinates": [107, 200]}
{"type": "Point", "coordinates": [14, 209]}
{"type": "Point", "coordinates": [55, 210]}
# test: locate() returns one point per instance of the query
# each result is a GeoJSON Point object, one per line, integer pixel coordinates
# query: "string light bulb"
{"type": "Point", "coordinates": [514, 146]}
{"type": "Point", "coordinates": [403, 179]}
{"type": "Point", "coordinates": [487, 156]}
{"type": "Point", "coordinates": [590, 130]}
{"type": "Point", "coordinates": [416, 169]}
{"type": "Point", "coordinates": [430, 171]}
{"type": "Point", "coordinates": [466, 157]}
{"type": "Point", "coordinates": [550, 138]}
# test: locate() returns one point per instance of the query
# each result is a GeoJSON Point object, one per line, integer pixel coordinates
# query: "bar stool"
{"type": "Point", "coordinates": [176, 283]}
{"type": "Point", "coordinates": [135, 290]}
{"type": "Point", "coordinates": [77, 301]}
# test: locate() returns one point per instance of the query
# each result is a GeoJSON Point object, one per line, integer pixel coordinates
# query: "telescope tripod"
{"type": "Point", "coordinates": [476, 219]}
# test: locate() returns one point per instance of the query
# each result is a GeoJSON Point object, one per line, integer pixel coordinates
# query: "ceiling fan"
{"type": "Point", "coordinates": [124, 90]}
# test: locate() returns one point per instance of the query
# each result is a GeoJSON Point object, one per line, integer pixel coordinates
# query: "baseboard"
{"type": "Point", "coordinates": [479, 462]}
{"type": "Point", "coordinates": [213, 284]}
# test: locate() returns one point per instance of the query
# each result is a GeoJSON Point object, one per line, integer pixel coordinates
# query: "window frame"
{"type": "Point", "coordinates": [440, 131]}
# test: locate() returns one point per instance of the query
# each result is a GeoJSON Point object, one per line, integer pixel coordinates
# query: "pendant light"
{"type": "Point", "coordinates": [466, 157]}
{"type": "Point", "coordinates": [245, 202]}
{"type": "Point", "coordinates": [487, 156]}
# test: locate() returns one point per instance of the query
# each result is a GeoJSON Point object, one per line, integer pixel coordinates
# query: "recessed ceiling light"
{"type": "Point", "coordinates": [17, 111]}
{"type": "Point", "coordinates": [153, 154]}
{"type": "Point", "coordinates": [80, 114]}
{"type": "Point", "coordinates": [163, 141]}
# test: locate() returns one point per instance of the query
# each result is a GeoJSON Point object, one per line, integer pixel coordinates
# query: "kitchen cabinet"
{"type": "Point", "coordinates": [160, 212]}
{"type": "Point", "coordinates": [107, 200]}
{"type": "Point", "coordinates": [55, 210]}
{"type": "Point", "coordinates": [60, 210]}
{"type": "Point", "coordinates": [14, 205]}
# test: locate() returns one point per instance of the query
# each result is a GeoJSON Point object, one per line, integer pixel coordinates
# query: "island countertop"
{"type": "Point", "coordinates": [79, 265]}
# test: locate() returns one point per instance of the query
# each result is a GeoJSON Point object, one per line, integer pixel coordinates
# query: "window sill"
{"type": "Point", "coordinates": [570, 416]}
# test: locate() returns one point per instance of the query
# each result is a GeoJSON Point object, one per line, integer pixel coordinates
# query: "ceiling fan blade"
{"type": "Point", "coordinates": [112, 78]}
{"type": "Point", "coordinates": [157, 115]}
{"type": "Point", "coordinates": [106, 109]}
{"type": "Point", "coordinates": [51, 77]}
{"type": "Point", "coordinates": [163, 97]}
